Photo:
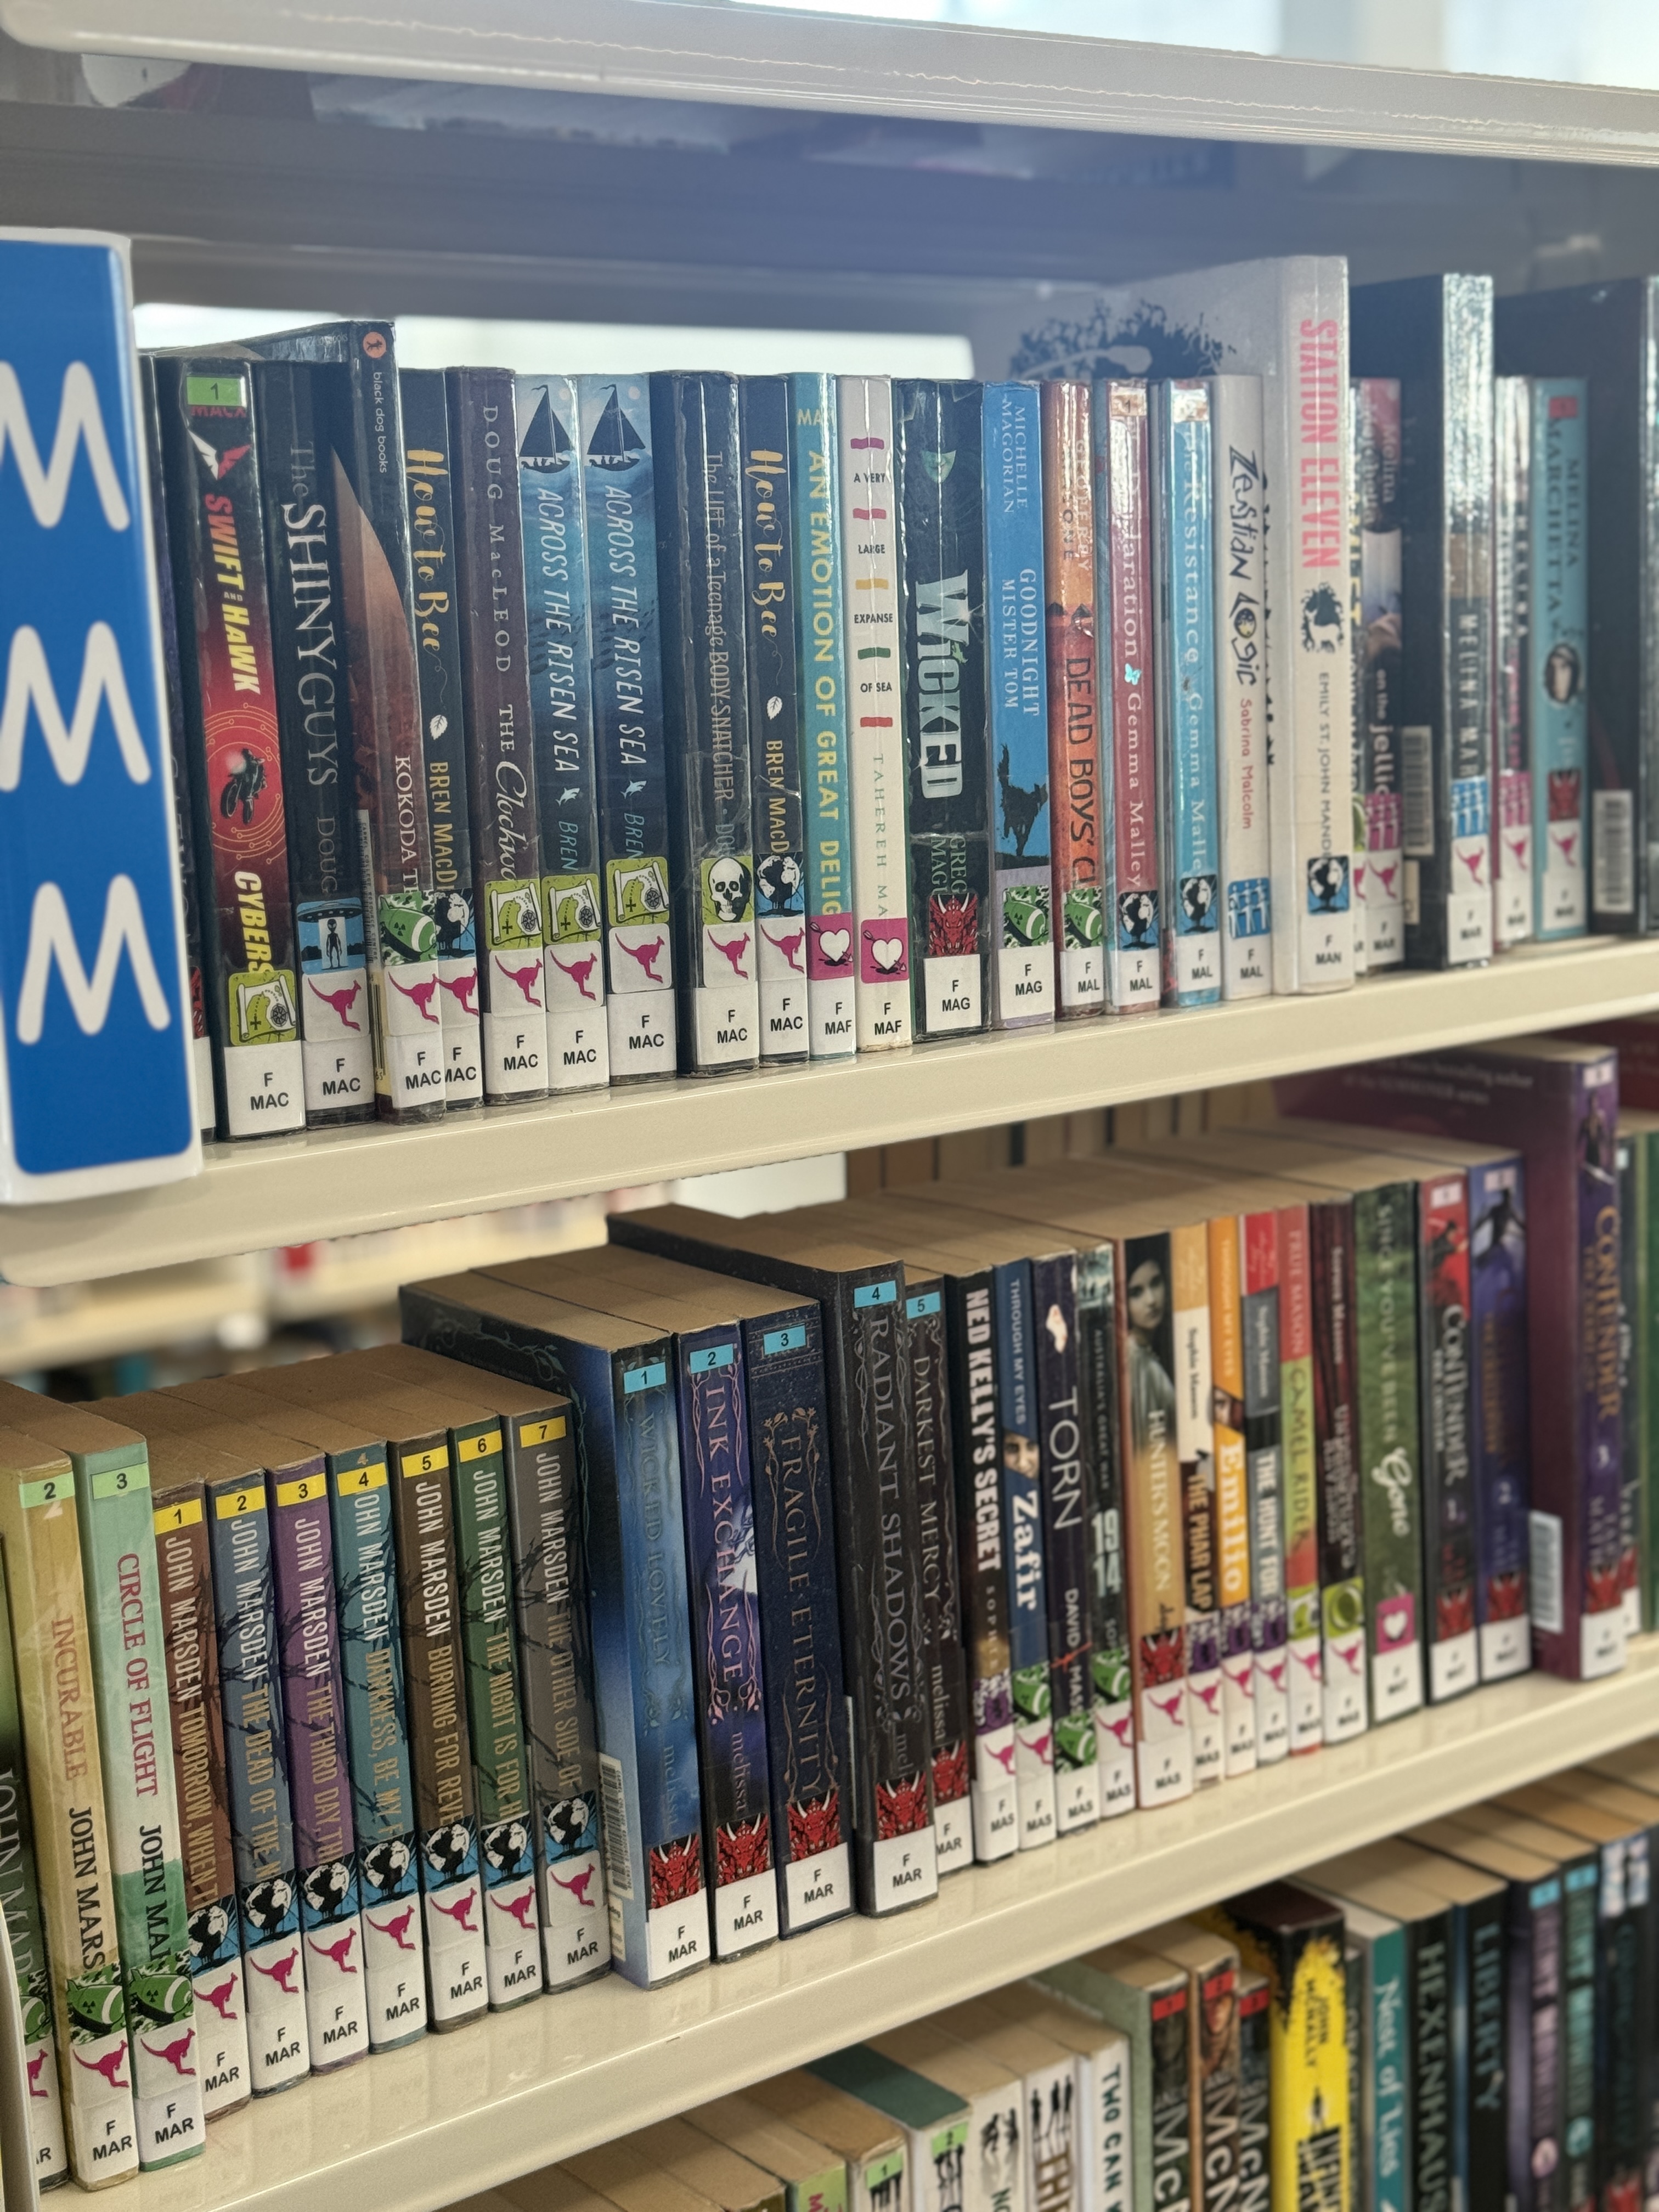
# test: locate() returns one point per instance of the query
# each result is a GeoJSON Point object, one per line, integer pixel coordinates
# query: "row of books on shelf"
{"type": "Point", "coordinates": [1463, 2016]}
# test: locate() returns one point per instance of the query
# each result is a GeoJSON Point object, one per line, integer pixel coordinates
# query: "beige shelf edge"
{"type": "Point", "coordinates": [290, 1190]}
{"type": "Point", "coordinates": [416, 2130]}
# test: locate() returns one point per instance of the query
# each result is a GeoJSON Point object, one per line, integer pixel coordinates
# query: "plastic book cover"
{"type": "Point", "coordinates": [505, 813]}
{"type": "Point", "coordinates": [308, 653]}
{"type": "Point", "coordinates": [19, 1899]}
{"type": "Point", "coordinates": [1212, 2056]}
{"type": "Point", "coordinates": [1265, 1466]}
{"type": "Point", "coordinates": [1502, 1477]}
{"type": "Point", "coordinates": [210, 437]}
{"type": "Point", "coordinates": [614, 420]}
{"type": "Point", "coordinates": [1357, 633]}
{"type": "Point", "coordinates": [931, 1453]}
{"type": "Point", "coordinates": [1194, 1437]}
{"type": "Point", "coordinates": [992, 2178]}
{"type": "Point", "coordinates": [1104, 1462]}
{"type": "Point", "coordinates": [814, 2179]}
{"type": "Point", "coordinates": [1127, 688]}
{"type": "Point", "coordinates": [938, 466]}
{"type": "Point", "coordinates": [1558, 648]}
{"type": "Point", "coordinates": [1238, 492]}
{"type": "Point", "coordinates": [1184, 565]}
{"type": "Point", "coordinates": [934, 2120]}
{"type": "Point", "coordinates": [1342, 1536]}
{"type": "Point", "coordinates": [1145, 1998]}
{"type": "Point", "coordinates": [1445, 1367]}
{"type": "Point", "coordinates": [815, 460]}
{"type": "Point", "coordinates": [1156, 1549]}
{"type": "Point", "coordinates": [1631, 1166]}
{"type": "Point", "coordinates": [1233, 1517]}
{"type": "Point", "coordinates": [1065, 1542]}
{"type": "Point", "coordinates": [429, 490]}
{"type": "Point", "coordinates": [357, 391]}
{"type": "Point", "coordinates": [873, 628]}
{"type": "Point", "coordinates": [1074, 757]}
{"type": "Point", "coordinates": [1051, 2161]}
{"type": "Point", "coordinates": [1378, 796]}
{"type": "Point", "coordinates": [1255, 2093]}
{"type": "Point", "coordinates": [871, 2145]}
{"type": "Point", "coordinates": [1397, 1497]}
{"type": "Point", "coordinates": [1016, 678]}
{"type": "Point", "coordinates": [1022, 1537]}
{"type": "Point", "coordinates": [777, 712]}
{"type": "Point", "coordinates": [1511, 613]}
{"type": "Point", "coordinates": [1301, 1474]}
{"type": "Point", "coordinates": [553, 520]}
{"type": "Point", "coordinates": [1102, 2158]}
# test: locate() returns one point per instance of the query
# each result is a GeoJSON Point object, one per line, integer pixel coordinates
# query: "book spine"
{"type": "Point", "coordinates": [1127, 696]}
{"type": "Point", "coordinates": [1195, 1433]}
{"type": "Point", "coordinates": [128, 1656]}
{"type": "Point", "coordinates": [629, 745]}
{"type": "Point", "coordinates": [553, 522]}
{"type": "Point", "coordinates": [1265, 1458]}
{"type": "Point", "coordinates": [1016, 680]}
{"type": "Point", "coordinates": [211, 438]}
{"type": "Point", "coordinates": [377, 1742]}
{"type": "Point", "coordinates": [1387, 2062]}
{"type": "Point", "coordinates": [1488, 2089]}
{"type": "Point", "coordinates": [324, 1837]}
{"type": "Point", "coordinates": [1502, 1442]}
{"type": "Point", "coordinates": [1353, 1969]}
{"type": "Point", "coordinates": [1299, 1432]}
{"type": "Point", "coordinates": [871, 609]}
{"type": "Point", "coordinates": [19, 1898]}
{"type": "Point", "coordinates": [212, 1922]}
{"type": "Point", "coordinates": [1022, 1537]}
{"type": "Point", "coordinates": [1170, 2111]}
{"type": "Point", "coordinates": [439, 1747]}
{"type": "Point", "coordinates": [815, 456]}
{"type": "Point", "coordinates": [1108, 1611]}
{"type": "Point", "coordinates": [1630, 1156]}
{"type": "Point", "coordinates": [1056, 2170]}
{"type": "Point", "coordinates": [393, 832]}
{"type": "Point", "coordinates": [1377, 463]}
{"type": "Point", "coordinates": [1241, 687]}
{"type": "Point", "coordinates": [1558, 640]}
{"type": "Point", "coordinates": [1157, 1550]}
{"type": "Point", "coordinates": [429, 492]}
{"type": "Point", "coordinates": [1309, 2053]}
{"type": "Point", "coordinates": [1392, 1489]}
{"type": "Point", "coordinates": [1646, 1343]}
{"type": "Point", "coordinates": [777, 712]}
{"type": "Point", "coordinates": [1582, 1885]}
{"type": "Point", "coordinates": [1255, 2093]}
{"type": "Point", "coordinates": [1431, 2100]}
{"type": "Point", "coordinates": [930, 1454]}
{"type": "Point", "coordinates": [261, 1808]}
{"type": "Point", "coordinates": [806, 1745]}
{"type": "Point", "coordinates": [1453, 1662]}
{"type": "Point", "coordinates": [556, 1673]}
{"type": "Point", "coordinates": [1621, 2110]}
{"type": "Point", "coordinates": [1190, 862]}
{"type": "Point", "coordinates": [309, 656]}
{"type": "Point", "coordinates": [942, 567]}
{"type": "Point", "coordinates": [727, 1664]}
{"type": "Point", "coordinates": [1068, 567]}
{"type": "Point", "coordinates": [1511, 607]}
{"type": "Point", "coordinates": [1065, 1542]}
{"type": "Point", "coordinates": [1533, 2044]}
{"type": "Point", "coordinates": [500, 745]}
{"type": "Point", "coordinates": [1341, 1544]}
{"type": "Point", "coordinates": [1216, 2102]}
{"type": "Point", "coordinates": [1357, 639]}
{"type": "Point", "coordinates": [501, 1765]}
{"type": "Point", "coordinates": [1232, 1494]}
{"type": "Point", "coordinates": [972, 1370]}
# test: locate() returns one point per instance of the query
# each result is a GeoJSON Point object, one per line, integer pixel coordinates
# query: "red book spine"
{"type": "Point", "coordinates": [1131, 769]}
{"type": "Point", "coordinates": [1068, 548]}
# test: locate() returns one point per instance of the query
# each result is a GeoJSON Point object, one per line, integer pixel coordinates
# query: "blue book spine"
{"type": "Point", "coordinates": [726, 1638]}
{"type": "Point", "coordinates": [1557, 656]}
{"type": "Point", "coordinates": [91, 884]}
{"type": "Point", "coordinates": [377, 1742]}
{"type": "Point", "coordinates": [1387, 2015]}
{"type": "Point", "coordinates": [1022, 1522]}
{"type": "Point", "coordinates": [1187, 805]}
{"type": "Point", "coordinates": [1015, 636]}
{"type": "Point", "coordinates": [825, 776]}
{"type": "Point", "coordinates": [799, 1609]}
{"type": "Point", "coordinates": [255, 1763]}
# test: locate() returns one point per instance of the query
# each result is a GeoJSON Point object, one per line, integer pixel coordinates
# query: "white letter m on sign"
{"type": "Point", "coordinates": [51, 939]}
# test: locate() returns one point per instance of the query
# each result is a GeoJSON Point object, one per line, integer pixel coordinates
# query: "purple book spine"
{"type": "Point", "coordinates": [314, 1704]}
{"type": "Point", "coordinates": [1503, 1459]}
{"type": "Point", "coordinates": [1593, 1609]}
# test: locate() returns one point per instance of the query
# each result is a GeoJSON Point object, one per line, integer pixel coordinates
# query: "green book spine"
{"type": "Point", "coordinates": [1391, 1494]}
{"type": "Point", "coordinates": [1301, 1477]}
{"type": "Point", "coordinates": [19, 1899]}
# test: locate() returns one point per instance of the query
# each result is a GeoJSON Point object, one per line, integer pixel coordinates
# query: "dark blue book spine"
{"type": "Point", "coordinates": [1503, 1429]}
{"type": "Point", "coordinates": [945, 1663]}
{"type": "Point", "coordinates": [800, 1627]}
{"type": "Point", "coordinates": [970, 1313]}
{"type": "Point", "coordinates": [1065, 1542]}
{"type": "Point", "coordinates": [1022, 1536]}
{"type": "Point", "coordinates": [725, 1638]}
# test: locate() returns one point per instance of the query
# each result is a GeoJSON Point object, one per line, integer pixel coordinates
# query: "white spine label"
{"type": "Point", "coordinates": [265, 1088]}
{"type": "Point", "coordinates": [905, 1870]}
{"type": "Point", "coordinates": [819, 1889]}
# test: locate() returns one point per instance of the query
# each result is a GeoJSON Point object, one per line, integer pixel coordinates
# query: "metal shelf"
{"type": "Point", "coordinates": [290, 1190]}
{"type": "Point", "coordinates": [420, 2128]}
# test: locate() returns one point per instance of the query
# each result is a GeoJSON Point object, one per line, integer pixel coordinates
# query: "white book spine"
{"type": "Point", "coordinates": [1241, 687]}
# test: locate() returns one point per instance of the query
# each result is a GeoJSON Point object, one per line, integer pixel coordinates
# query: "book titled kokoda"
{"type": "Point", "coordinates": [1128, 686]}
{"type": "Point", "coordinates": [308, 650]}
{"type": "Point", "coordinates": [1186, 717]}
{"type": "Point", "coordinates": [1239, 500]}
{"type": "Point", "coordinates": [1068, 560]}
{"type": "Point", "coordinates": [496, 686]}
{"type": "Point", "coordinates": [936, 464]}
{"type": "Point", "coordinates": [698, 461]}
{"type": "Point", "coordinates": [1022, 921]}
{"type": "Point", "coordinates": [443, 724]}
{"type": "Point", "coordinates": [211, 438]}
{"type": "Point", "coordinates": [775, 713]}
{"type": "Point", "coordinates": [814, 469]}
{"type": "Point", "coordinates": [629, 745]}
{"type": "Point", "coordinates": [553, 520]}
{"type": "Point", "coordinates": [355, 368]}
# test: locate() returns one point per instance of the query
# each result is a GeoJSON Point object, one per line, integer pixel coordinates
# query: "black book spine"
{"type": "Point", "coordinates": [938, 433]}
{"type": "Point", "coordinates": [1255, 2093]}
{"type": "Point", "coordinates": [1624, 2024]}
{"type": "Point", "coordinates": [308, 651]}
{"type": "Point", "coordinates": [443, 724]}
{"type": "Point", "coordinates": [971, 1366]}
{"type": "Point", "coordinates": [766, 420]}
{"type": "Point", "coordinates": [1485, 1933]}
{"type": "Point", "coordinates": [1431, 2057]}
{"type": "Point", "coordinates": [1109, 1602]}
{"type": "Point", "coordinates": [495, 683]}
{"type": "Point", "coordinates": [930, 1446]}
{"type": "Point", "coordinates": [1065, 1542]}
{"type": "Point", "coordinates": [696, 439]}
{"type": "Point", "coordinates": [1377, 665]}
{"type": "Point", "coordinates": [1341, 1540]}
{"type": "Point", "coordinates": [1534, 2009]}
{"type": "Point", "coordinates": [1581, 1884]}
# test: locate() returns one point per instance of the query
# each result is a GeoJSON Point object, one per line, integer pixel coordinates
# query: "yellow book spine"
{"type": "Point", "coordinates": [1307, 2058]}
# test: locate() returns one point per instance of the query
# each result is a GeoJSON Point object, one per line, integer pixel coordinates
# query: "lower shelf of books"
{"type": "Point", "coordinates": [415, 2130]}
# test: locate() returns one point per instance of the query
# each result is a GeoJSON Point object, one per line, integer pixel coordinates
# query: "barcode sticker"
{"type": "Point", "coordinates": [1547, 1612]}
{"type": "Point", "coordinates": [613, 1822]}
{"type": "Point", "coordinates": [1613, 854]}
{"type": "Point", "coordinates": [1417, 789]}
